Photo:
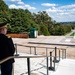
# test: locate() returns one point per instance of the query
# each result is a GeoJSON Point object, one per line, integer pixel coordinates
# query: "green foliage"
{"type": "Point", "coordinates": [23, 20]}
{"type": "Point", "coordinates": [44, 30]}
{"type": "Point", "coordinates": [4, 11]}
{"type": "Point", "coordinates": [73, 34]}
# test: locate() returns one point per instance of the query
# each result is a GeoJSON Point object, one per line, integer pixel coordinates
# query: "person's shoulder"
{"type": "Point", "coordinates": [2, 35]}
{"type": "Point", "coordinates": [9, 37]}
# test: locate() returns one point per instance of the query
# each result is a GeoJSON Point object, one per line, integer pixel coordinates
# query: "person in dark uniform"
{"type": "Point", "coordinates": [6, 49]}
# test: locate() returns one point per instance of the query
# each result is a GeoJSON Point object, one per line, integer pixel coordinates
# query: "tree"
{"type": "Point", "coordinates": [4, 11]}
{"type": "Point", "coordinates": [23, 20]}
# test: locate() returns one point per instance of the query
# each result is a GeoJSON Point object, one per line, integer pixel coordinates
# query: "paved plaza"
{"type": "Point", "coordinates": [65, 42]}
{"type": "Point", "coordinates": [39, 65]}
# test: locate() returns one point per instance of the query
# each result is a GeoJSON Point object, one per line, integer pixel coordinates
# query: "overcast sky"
{"type": "Point", "coordinates": [59, 10]}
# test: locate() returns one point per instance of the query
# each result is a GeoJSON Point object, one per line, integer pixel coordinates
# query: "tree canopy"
{"type": "Point", "coordinates": [20, 20]}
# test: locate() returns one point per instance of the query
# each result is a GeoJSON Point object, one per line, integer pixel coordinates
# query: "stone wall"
{"type": "Point", "coordinates": [18, 35]}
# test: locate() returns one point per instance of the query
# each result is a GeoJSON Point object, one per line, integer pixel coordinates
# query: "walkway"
{"type": "Point", "coordinates": [38, 66]}
{"type": "Point", "coordinates": [65, 67]}
{"type": "Point", "coordinates": [70, 33]}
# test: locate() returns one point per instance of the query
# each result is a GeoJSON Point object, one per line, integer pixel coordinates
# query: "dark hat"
{"type": "Point", "coordinates": [2, 25]}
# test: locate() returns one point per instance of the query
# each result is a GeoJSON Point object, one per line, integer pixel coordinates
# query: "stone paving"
{"type": "Point", "coordinates": [49, 41]}
{"type": "Point", "coordinates": [21, 69]}
{"type": "Point", "coordinates": [66, 67]}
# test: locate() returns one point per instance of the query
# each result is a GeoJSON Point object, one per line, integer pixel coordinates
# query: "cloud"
{"type": "Point", "coordinates": [19, 4]}
{"type": "Point", "coordinates": [13, 0]}
{"type": "Point", "coordinates": [56, 11]}
{"type": "Point", "coordinates": [67, 6]}
{"type": "Point", "coordinates": [62, 13]}
{"type": "Point", "coordinates": [25, 6]}
{"type": "Point", "coordinates": [12, 6]}
{"type": "Point", "coordinates": [48, 4]}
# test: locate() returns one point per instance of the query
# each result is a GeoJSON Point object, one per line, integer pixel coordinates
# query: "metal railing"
{"type": "Point", "coordinates": [55, 60]}
{"type": "Point", "coordinates": [58, 53]}
{"type": "Point", "coordinates": [35, 49]}
{"type": "Point", "coordinates": [52, 57]}
{"type": "Point", "coordinates": [28, 61]}
{"type": "Point", "coordinates": [54, 50]}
